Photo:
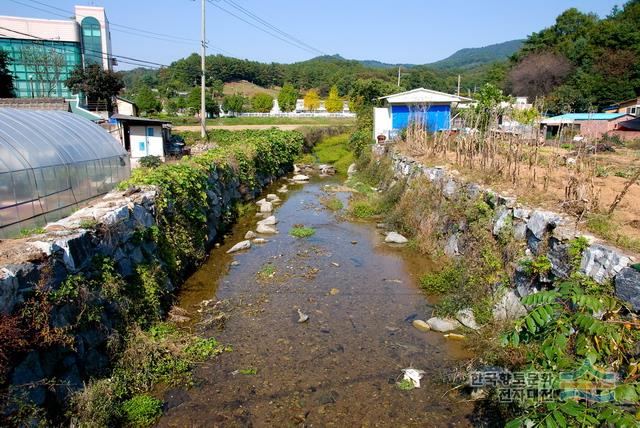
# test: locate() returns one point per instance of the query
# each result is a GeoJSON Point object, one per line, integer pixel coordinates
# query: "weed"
{"type": "Point", "coordinates": [603, 226]}
{"type": "Point", "coordinates": [267, 271]}
{"type": "Point", "coordinates": [89, 223]}
{"type": "Point", "coordinates": [405, 385]}
{"type": "Point", "coordinates": [307, 158]}
{"type": "Point", "coordinates": [444, 281]}
{"type": "Point", "coordinates": [333, 203]}
{"type": "Point", "coordinates": [24, 233]}
{"type": "Point", "coordinates": [449, 305]}
{"type": "Point", "coordinates": [302, 232]}
{"type": "Point", "coordinates": [203, 349]}
{"type": "Point", "coordinates": [539, 266]}
{"type": "Point", "coordinates": [334, 150]}
{"type": "Point", "coordinates": [248, 371]}
{"type": "Point", "coordinates": [142, 411]}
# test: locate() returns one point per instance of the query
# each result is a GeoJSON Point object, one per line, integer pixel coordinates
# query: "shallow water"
{"type": "Point", "coordinates": [340, 367]}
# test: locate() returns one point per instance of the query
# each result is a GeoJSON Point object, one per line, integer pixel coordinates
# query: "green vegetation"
{"type": "Point", "coordinates": [142, 411]}
{"type": "Point", "coordinates": [404, 385]}
{"type": "Point", "coordinates": [604, 227]}
{"type": "Point", "coordinates": [287, 98]}
{"type": "Point", "coordinates": [147, 101]}
{"type": "Point", "coordinates": [332, 202]}
{"type": "Point", "coordinates": [184, 202]}
{"type": "Point", "coordinates": [581, 61]}
{"type": "Point", "coordinates": [302, 232]}
{"type": "Point", "coordinates": [312, 100]}
{"type": "Point", "coordinates": [234, 103]}
{"type": "Point", "coordinates": [335, 151]}
{"type": "Point", "coordinates": [261, 102]}
{"type": "Point", "coordinates": [333, 103]}
{"type": "Point", "coordinates": [33, 231]}
{"type": "Point", "coordinates": [249, 371]}
{"type": "Point", "coordinates": [267, 271]}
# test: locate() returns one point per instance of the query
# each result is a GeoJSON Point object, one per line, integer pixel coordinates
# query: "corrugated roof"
{"type": "Point", "coordinates": [422, 95]}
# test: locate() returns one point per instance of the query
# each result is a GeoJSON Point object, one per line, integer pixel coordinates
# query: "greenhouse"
{"type": "Point", "coordinates": [51, 161]}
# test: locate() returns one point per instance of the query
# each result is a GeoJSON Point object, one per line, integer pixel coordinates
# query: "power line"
{"type": "Point", "coordinates": [268, 24]}
{"type": "Point", "coordinates": [132, 30]}
{"type": "Point", "coordinates": [122, 58]}
{"type": "Point", "coordinates": [297, 45]}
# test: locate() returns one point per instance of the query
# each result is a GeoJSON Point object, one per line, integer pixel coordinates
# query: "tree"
{"type": "Point", "coordinates": [171, 107]}
{"type": "Point", "coordinates": [6, 79]}
{"type": "Point", "coordinates": [146, 100]}
{"type": "Point", "coordinates": [193, 103]}
{"type": "Point", "coordinates": [45, 65]}
{"type": "Point", "coordinates": [233, 103]}
{"type": "Point", "coordinates": [287, 98]}
{"type": "Point", "coordinates": [262, 102]}
{"type": "Point", "coordinates": [312, 100]}
{"type": "Point", "coordinates": [96, 83]}
{"type": "Point", "coordinates": [538, 74]}
{"type": "Point", "coordinates": [334, 103]}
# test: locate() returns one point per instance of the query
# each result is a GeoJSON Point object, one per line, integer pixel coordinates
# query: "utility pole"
{"type": "Point", "coordinates": [399, 67]}
{"type": "Point", "coordinates": [458, 93]}
{"type": "Point", "coordinates": [203, 112]}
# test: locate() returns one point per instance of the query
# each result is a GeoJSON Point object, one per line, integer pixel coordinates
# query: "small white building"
{"type": "Point", "coordinates": [433, 108]}
{"type": "Point", "coordinates": [141, 136]}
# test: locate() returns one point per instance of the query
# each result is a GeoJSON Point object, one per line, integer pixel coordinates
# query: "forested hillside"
{"type": "Point", "coordinates": [473, 57]}
{"type": "Point", "coordinates": [581, 62]}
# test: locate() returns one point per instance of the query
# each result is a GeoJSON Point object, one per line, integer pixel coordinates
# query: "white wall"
{"type": "Point", "coordinates": [49, 29]}
{"type": "Point", "coordinates": [143, 145]}
{"type": "Point", "coordinates": [381, 121]}
{"type": "Point", "coordinates": [98, 13]}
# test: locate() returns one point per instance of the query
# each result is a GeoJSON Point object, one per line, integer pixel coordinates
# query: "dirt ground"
{"type": "Point", "coordinates": [599, 191]}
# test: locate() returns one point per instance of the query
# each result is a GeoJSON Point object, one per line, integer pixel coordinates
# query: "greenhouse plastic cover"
{"type": "Point", "coordinates": [32, 139]}
{"type": "Point", "coordinates": [52, 160]}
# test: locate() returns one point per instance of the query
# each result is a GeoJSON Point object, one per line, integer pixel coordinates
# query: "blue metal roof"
{"type": "Point", "coordinates": [588, 116]}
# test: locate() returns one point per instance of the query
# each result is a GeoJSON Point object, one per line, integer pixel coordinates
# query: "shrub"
{"type": "Point", "coordinates": [150, 161]}
{"type": "Point", "coordinates": [142, 411]}
{"type": "Point", "coordinates": [446, 280]}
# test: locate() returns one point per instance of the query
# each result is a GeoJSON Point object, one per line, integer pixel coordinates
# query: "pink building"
{"type": "Point", "coordinates": [589, 125]}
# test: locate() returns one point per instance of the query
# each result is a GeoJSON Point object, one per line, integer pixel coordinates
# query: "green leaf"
{"type": "Point", "coordinates": [626, 393]}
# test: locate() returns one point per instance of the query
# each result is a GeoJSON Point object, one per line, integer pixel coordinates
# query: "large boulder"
{"type": "Point", "coordinates": [509, 307]}
{"type": "Point", "coordinates": [602, 263]}
{"type": "Point", "coordinates": [395, 238]}
{"type": "Point", "coordinates": [628, 287]}
{"type": "Point", "coordinates": [443, 325]}
{"type": "Point", "coordinates": [264, 229]}
{"type": "Point", "coordinates": [467, 319]}
{"type": "Point", "coordinates": [541, 221]}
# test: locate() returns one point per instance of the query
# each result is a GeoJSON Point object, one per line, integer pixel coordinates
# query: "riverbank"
{"type": "Point", "coordinates": [75, 298]}
{"type": "Point", "coordinates": [535, 294]}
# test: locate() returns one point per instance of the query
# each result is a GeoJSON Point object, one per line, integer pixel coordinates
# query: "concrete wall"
{"type": "Point", "coordinates": [144, 145]}
{"type": "Point", "coordinates": [597, 128]}
{"type": "Point", "coordinates": [48, 29]}
{"type": "Point", "coordinates": [381, 121]}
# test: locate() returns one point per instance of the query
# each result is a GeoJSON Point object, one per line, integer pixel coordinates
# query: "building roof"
{"type": "Point", "coordinates": [127, 118]}
{"type": "Point", "coordinates": [36, 103]}
{"type": "Point", "coordinates": [631, 125]}
{"type": "Point", "coordinates": [424, 96]}
{"type": "Point", "coordinates": [577, 117]}
{"type": "Point", "coordinates": [35, 139]}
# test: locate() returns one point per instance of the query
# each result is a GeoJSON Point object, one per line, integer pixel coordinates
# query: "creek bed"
{"type": "Point", "coordinates": [340, 367]}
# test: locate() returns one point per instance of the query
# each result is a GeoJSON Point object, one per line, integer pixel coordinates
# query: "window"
{"type": "Point", "coordinates": [91, 40]}
{"type": "Point", "coordinates": [149, 132]}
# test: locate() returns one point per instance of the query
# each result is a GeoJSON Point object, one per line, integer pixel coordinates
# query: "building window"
{"type": "Point", "coordinates": [91, 41]}
{"type": "Point", "coordinates": [149, 132]}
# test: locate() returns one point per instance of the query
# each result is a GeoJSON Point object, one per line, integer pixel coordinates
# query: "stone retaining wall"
{"type": "Point", "coordinates": [545, 232]}
{"type": "Point", "coordinates": [119, 227]}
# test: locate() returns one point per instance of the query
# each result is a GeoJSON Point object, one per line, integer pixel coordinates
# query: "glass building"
{"type": "Point", "coordinates": [49, 163]}
{"type": "Point", "coordinates": [44, 52]}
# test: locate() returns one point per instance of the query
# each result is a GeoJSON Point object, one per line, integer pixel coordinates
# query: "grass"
{"type": "Point", "coordinates": [249, 371]}
{"type": "Point", "coordinates": [267, 271]}
{"type": "Point", "coordinates": [332, 202]}
{"type": "Point", "coordinates": [24, 233]}
{"type": "Point", "coordinates": [335, 151]}
{"type": "Point", "coordinates": [302, 232]}
{"type": "Point", "coordinates": [142, 411]}
{"type": "Point", "coordinates": [603, 226]}
{"type": "Point", "coordinates": [404, 385]}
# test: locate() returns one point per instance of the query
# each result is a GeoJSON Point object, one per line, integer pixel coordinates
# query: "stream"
{"type": "Point", "coordinates": [340, 367]}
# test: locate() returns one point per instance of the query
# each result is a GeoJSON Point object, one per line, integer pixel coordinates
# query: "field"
{"type": "Point", "coordinates": [247, 89]}
{"type": "Point", "coordinates": [594, 183]}
{"type": "Point", "coordinates": [284, 123]}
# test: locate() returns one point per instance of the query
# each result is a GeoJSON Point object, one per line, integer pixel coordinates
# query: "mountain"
{"type": "Point", "coordinates": [473, 57]}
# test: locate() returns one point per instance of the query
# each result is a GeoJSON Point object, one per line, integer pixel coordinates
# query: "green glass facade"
{"type": "Point", "coordinates": [91, 41]}
{"type": "Point", "coordinates": [34, 78]}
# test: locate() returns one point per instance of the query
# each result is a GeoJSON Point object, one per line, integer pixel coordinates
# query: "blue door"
{"type": "Point", "coordinates": [436, 117]}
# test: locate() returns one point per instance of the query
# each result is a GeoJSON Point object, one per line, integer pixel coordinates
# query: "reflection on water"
{"type": "Point", "coordinates": [338, 368]}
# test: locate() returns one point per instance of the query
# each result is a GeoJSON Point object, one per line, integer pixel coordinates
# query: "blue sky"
{"type": "Point", "coordinates": [411, 31]}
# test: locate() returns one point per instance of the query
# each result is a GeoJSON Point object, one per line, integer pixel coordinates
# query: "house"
{"type": "Point", "coordinates": [141, 136]}
{"type": "Point", "coordinates": [126, 107]}
{"type": "Point", "coordinates": [590, 125]}
{"type": "Point", "coordinates": [433, 108]}
{"type": "Point", "coordinates": [627, 130]}
{"type": "Point", "coordinates": [631, 107]}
